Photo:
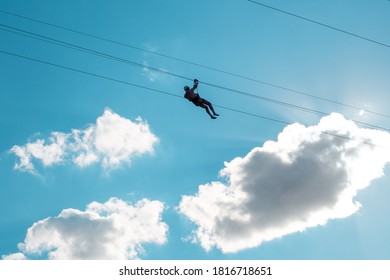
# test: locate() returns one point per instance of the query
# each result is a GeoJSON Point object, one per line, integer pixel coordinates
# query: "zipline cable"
{"type": "Point", "coordinates": [197, 64]}
{"type": "Point", "coordinates": [127, 83]}
{"type": "Point", "coordinates": [47, 39]}
{"type": "Point", "coordinates": [319, 23]}
{"type": "Point", "coordinates": [108, 56]}
{"type": "Point", "coordinates": [175, 95]}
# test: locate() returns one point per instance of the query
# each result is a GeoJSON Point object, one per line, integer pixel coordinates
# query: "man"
{"type": "Point", "coordinates": [198, 101]}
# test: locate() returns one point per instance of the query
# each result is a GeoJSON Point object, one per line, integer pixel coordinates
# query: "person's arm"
{"type": "Point", "coordinates": [196, 82]}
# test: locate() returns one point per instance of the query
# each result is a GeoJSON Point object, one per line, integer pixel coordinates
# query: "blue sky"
{"type": "Point", "coordinates": [116, 171]}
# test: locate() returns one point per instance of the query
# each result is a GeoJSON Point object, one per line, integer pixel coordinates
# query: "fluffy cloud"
{"type": "Point", "coordinates": [16, 256]}
{"type": "Point", "coordinates": [111, 141]}
{"type": "Point", "coordinates": [111, 230]}
{"type": "Point", "coordinates": [307, 177]}
{"type": "Point", "coordinates": [48, 154]}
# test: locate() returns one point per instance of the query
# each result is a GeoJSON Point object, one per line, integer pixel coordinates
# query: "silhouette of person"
{"type": "Point", "coordinates": [198, 101]}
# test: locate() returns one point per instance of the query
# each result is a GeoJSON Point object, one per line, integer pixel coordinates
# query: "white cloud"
{"type": "Point", "coordinates": [111, 141]}
{"type": "Point", "coordinates": [110, 230]}
{"type": "Point", "coordinates": [48, 152]}
{"type": "Point", "coordinates": [16, 256]}
{"type": "Point", "coordinates": [304, 179]}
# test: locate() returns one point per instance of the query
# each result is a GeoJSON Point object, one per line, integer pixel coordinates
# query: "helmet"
{"type": "Point", "coordinates": [186, 88]}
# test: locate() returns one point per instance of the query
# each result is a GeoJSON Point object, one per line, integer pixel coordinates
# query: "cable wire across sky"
{"type": "Point", "coordinates": [47, 39]}
{"type": "Point", "coordinates": [321, 24]}
{"type": "Point", "coordinates": [143, 66]}
{"type": "Point", "coordinates": [178, 96]}
{"type": "Point", "coordinates": [181, 60]}
{"type": "Point", "coordinates": [130, 84]}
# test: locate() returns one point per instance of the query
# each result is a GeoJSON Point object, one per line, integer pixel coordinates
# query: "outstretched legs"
{"type": "Point", "coordinates": [205, 102]}
{"type": "Point", "coordinates": [207, 110]}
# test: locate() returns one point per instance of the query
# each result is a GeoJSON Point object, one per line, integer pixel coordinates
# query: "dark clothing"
{"type": "Point", "coordinates": [191, 95]}
{"type": "Point", "coordinates": [198, 101]}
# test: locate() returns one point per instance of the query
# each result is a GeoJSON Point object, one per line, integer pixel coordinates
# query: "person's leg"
{"type": "Point", "coordinates": [207, 110]}
{"type": "Point", "coordinates": [210, 105]}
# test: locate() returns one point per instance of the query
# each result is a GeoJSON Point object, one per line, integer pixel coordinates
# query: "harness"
{"type": "Point", "coordinates": [197, 100]}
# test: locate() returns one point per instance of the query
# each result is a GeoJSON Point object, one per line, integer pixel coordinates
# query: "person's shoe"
{"type": "Point", "coordinates": [213, 117]}
{"type": "Point", "coordinates": [215, 114]}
